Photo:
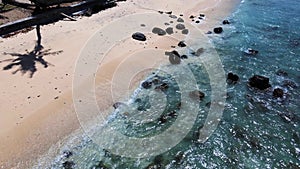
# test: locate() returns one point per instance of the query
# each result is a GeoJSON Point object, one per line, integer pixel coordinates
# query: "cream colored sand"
{"type": "Point", "coordinates": [37, 112]}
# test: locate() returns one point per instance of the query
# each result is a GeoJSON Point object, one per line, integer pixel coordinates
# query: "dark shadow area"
{"type": "Point", "coordinates": [3, 17]}
{"type": "Point", "coordinates": [26, 63]}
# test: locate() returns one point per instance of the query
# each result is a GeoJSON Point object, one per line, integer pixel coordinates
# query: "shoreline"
{"type": "Point", "coordinates": [25, 139]}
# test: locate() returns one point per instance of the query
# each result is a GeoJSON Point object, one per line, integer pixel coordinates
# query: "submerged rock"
{"type": "Point", "coordinates": [68, 165]}
{"type": "Point", "coordinates": [250, 51]}
{"type": "Point", "coordinates": [289, 83]}
{"type": "Point", "coordinates": [198, 52]}
{"type": "Point", "coordinates": [163, 87]}
{"type": "Point", "coordinates": [287, 116]}
{"type": "Point", "coordinates": [278, 92]}
{"type": "Point", "coordinates": [218, 30]}
{"type": "Point", "coordinates": [259, 82]}
{"type": "Point", "coordinates": [139, 36]}
{"type": "Point", "coordinates": [232, 78]}
{"type": "Point", "coordinates": [281, 73]}
{"type": "Point", "coordinates": [158, 31]}
{"type": "Point", "coordinates": [196, 95]}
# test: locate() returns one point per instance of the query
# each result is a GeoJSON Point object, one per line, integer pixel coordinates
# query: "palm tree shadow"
{"type": "Point", "coordinates": [26, 63]}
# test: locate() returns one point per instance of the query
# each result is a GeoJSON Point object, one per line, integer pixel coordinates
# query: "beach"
{"type": "Point", "coordinates": [37, 112]}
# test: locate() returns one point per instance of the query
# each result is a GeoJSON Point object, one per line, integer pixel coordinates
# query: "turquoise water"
{"type": "Point", "coordinates": [257, 130]}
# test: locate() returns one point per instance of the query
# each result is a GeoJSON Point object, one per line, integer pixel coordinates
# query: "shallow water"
{"type": "Point", "coordinates": [256, 130]}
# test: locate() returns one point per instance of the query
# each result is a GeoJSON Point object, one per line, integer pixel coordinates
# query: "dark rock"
{"type": "Point", "coordinates": [202, 15]}
{"type": "Point", "coordinates": [156, 81]}
{"type": "Point", "coordinates": [281, 73]}
{"type": "Point", "coordinates": [169, 13]}
{"type": "Point", "coordinates": [180, 20]}
{"type": "Point", "coordinates": [232, 78]}
{"type": "Point", "coordinates": [139, 36]}
{"type": "Point", "coordinates": [167, 24]}
{"type": "Point", "coordinates": [238, 132]}
{"type": "Point", "coordinates": [118, 104]}
{"type": "Point", "coordinates": [181, 44]}
{"type": "Point", "coordinates": [161, 12]}
{"type": "Point", "coordinates": [180, 26]}
{"type": "Point", "coordinates": [209, 32]}
{"type": "Point", "coordinates": [143, 25]}
{"type": "Point", "coordinates": [173, 16]}
{"type": "Point", "coordinates": [179, 157]}
{"type": "Point", "coordinates": [196, 95]}
{"type": "Point", "coordinates": [278, 92]}
{"type": "Point", "coordinates": [158, 159]}
{"type": "Point", "coordinates": [184, 57]}
{"type": "Point", "coordinates": [251, 52]}
{"type": "Point", "coordinates": [67, 153]}
{"type": "Point", "coordinates": [68, 165]}
{"type": "Point", "coordinates": [197, 21]}
{"type": "Point", "coordinates": [226, 22]}
{"type": "Point", "coordinates": [146, 84]}
{"type": "Point", "coordinates": [162, 119]}
{"type": "Point", "coordinates": [172, 114]}
{"type": "Point", "coordinates": [159, 31]}
{"type": "Point", "coordinates": [162, 87]}
{"type": "Point", "coordinates": [192, 17]}
{"type": "Point", "coordinates": [185, 31]}
{"type": "Point", "coordinates": [218, 30]}
{"type": "Point", "coordinates": [174, 57]}
{"type": "Point", "coordinates": [259, 82]}
{"type": "Point", "coordinates": [169, 30]}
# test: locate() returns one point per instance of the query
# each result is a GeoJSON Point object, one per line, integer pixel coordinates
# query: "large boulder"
{"type": "Point", "coordinates": [218, 30]}
{"type": "Point", "coordinates": [259, 82]}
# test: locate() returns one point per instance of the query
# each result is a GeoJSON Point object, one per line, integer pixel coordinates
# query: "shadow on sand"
{"type": "Point", "coordinates": [26, 63]}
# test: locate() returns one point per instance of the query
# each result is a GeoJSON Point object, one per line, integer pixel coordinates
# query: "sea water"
{"type": "Point", "coordinates": [256, 129]}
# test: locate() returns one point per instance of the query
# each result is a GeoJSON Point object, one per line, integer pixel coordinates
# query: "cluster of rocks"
{"type": "Point", "coordinates": [197, 19]}
{"type": "Point", "coordinates": [219, 30]}
{"type": "Point", "coordinates": [258, 82]}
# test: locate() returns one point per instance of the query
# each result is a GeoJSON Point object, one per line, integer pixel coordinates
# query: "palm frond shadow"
{"type": "Point", "coordinates": [26, 63]}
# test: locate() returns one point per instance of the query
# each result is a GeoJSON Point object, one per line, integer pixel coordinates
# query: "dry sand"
{"type": "Point", "coordinates": [37, 112]}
